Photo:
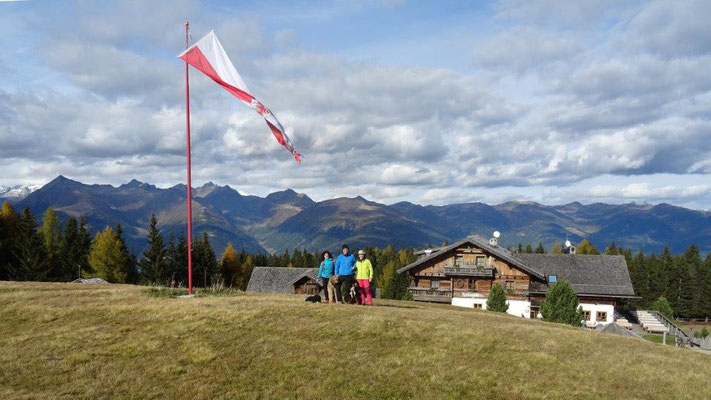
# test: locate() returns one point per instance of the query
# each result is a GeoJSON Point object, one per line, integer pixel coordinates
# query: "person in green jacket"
{"type": "Point", "coordinates": [364, 276]}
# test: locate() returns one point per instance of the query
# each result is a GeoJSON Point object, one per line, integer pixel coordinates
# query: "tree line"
{"type": "Point", "coordinates": [55, 251]}
{"type": "Point", "coordinates": [61, 252]}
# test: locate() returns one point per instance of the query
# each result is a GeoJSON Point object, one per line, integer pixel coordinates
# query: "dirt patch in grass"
{"type": "Point", "coordinates": [115, 341]}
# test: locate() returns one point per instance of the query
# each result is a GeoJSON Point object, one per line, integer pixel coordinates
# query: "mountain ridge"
{"type": "Point", "coordinates": [287, 219]}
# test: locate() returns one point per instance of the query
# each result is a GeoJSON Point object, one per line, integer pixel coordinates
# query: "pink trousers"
{"type": "Point", "coordinates": [365, 297]}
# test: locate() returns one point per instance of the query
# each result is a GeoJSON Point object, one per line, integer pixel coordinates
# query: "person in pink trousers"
{"type": "Point", "coordinates": [364, 275]}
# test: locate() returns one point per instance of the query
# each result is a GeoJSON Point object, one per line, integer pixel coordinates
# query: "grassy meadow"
{"type": "Point", "coordinates": [114, 341]}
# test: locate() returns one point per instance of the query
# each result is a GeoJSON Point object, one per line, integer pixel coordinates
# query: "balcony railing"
{"type": "Point", "coordinates": [469, 270]}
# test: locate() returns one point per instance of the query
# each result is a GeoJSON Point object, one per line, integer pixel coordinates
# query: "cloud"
{"type": "Point", "coordinates": [557, 95]}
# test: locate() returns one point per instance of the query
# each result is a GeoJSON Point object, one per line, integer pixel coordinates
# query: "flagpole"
{"type": "Point", "coordinates": [187, 155]}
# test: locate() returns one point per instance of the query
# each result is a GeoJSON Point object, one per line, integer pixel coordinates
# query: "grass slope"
{"type": "Point", "coordinates": [107, 341]}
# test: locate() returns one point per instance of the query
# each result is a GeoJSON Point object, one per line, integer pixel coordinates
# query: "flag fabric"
{"type": "Point", "coordinates": [208, 57]}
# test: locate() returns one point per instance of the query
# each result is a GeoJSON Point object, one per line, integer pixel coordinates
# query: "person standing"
{"type": "Point", "coordinates": [364, 276]}
{"type": "Point", "coordinates": [325, 271]}
{"type": "Point", "coordinates": [344, 270]}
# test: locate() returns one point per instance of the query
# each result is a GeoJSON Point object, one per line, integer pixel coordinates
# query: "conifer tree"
{"type": "Point", "coordinates": [556, 248]}
{"type": "Point", "coordinates": [130, 262]}
{"type": "Point", "coordinates": [612, 250]}
{"type": "Point", "coordinates": [204, 261]}
{"type": "Point", "coordinates": [639, 277]}
{"type": "Point", "coordinates": [386, 280]}
{"type": "Point", "coordinates": [519, 249]}
{"type": "Point", "coordinates": [540, 249]}
{"type": "Point", "coordinates": [51, 233]}
{"type": "Point", "coordinates": [529, 249]}
{"type": "Point", "coordinates": [686, 306]}
{"type": "Point", "coordinates": [85, 242]}
{"type": "Point", "coordinates": [561, 305]}
{"type": "Point", "coordinates": [497, 299]}
{"type": "Point", "coordinates": [71, 255]}
{"type": "Point", "coordinates": [29, 251]}
{"type": "Point", "coordinates": [153, 261]}
{"type": "Point", "coordinates": [585, 247]}
{"type": "Point", "coordinates": [230, 267]}
{"type": "Point", "coordinates": [246, 272]}
{"type": "Point", "coordinates": [663, 306]}
{"type": "Point", "coordinates": [106, 257]}
{"type": "Point", "coordinates": [705, 289]}
{"type": "Point", "coordinates": [9, 220]}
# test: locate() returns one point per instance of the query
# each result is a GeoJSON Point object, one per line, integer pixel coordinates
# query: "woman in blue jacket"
{"type": "Point", "coordinates": [325, 270]}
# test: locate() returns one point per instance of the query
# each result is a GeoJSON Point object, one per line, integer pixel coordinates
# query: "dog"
{"type": "Point", "coordinates": [332, 283]}
{"type": "Point", "coordinates": [314, 299]}
{"type": "Point", "coordinates": [354, 294]}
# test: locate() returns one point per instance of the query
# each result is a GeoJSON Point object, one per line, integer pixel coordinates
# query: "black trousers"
{"type": "Point", "coordinates": [324, 283]}
{"type": "Point", "coordinates": [345, 281]}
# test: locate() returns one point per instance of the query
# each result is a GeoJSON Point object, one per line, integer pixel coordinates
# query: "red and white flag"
{"type": "Point", "coordinates": [208, 57]}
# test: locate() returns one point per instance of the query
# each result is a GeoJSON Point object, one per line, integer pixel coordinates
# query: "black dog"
{"type": "Point", "coordinates": [314, 299]}
{"type": "Point", "coordinates": [353, 296]}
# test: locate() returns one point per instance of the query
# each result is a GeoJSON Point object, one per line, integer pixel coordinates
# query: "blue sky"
{"type": "Point", "coordinates": [431, 102]}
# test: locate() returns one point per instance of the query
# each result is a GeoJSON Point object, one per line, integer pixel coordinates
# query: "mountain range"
{"type": "Point", "coordinates": [287, 220]}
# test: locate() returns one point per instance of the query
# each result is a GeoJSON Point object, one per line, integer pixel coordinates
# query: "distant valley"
{"type": "Point", "coordinates": [286, 219]}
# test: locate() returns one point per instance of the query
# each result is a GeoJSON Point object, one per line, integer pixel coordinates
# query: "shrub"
{"type": "Point", "coordinates": [561, 305]}
{"type": "Point", "coordinates": [497, 299]}
{"type": "Point", "coordinates": [662, 306]}
{"type": "Point", "coordinates": [704, 332]}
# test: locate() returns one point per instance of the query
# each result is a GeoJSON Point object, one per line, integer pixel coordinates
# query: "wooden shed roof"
{"type": "Point", "coordinates": [277, 280]}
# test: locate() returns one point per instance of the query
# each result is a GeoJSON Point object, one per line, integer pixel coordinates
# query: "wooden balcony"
{"type": "Point", "coordinates": [469, 270]}
{"type": "Point", "coordinates": [429, 294]}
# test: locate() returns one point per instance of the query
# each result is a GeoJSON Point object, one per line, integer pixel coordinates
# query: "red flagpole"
{"type": "Point", "coordinates": [187, 154]}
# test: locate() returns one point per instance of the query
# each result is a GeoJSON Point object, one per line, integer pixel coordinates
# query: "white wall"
{"type": "Point", "coordinates": [516, 307]}
{"type": "Point", "coordinates": [594, 308]}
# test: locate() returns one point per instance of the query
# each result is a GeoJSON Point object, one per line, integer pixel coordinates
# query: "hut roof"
{"type": "Point", "coordinates": [277, 280]}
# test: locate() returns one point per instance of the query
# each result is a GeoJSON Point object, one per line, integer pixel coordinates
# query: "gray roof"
{"type": "Point", "coordinates": [483, 244]}
{"type": "Point", "coordinates": [618, 330]}
{"type": "Point", "coordinates": [277, 280]}
{"type": "Point", "coordinates": [599, 275]}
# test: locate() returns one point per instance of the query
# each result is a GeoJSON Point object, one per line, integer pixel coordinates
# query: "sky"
{"type": "Point", "coordinates": [429, 102]}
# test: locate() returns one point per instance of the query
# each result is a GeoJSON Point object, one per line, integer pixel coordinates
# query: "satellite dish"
{"type": "Point", "coordinates": [567, 243]}
{"type": "Point", "coordinates": [497, 234]}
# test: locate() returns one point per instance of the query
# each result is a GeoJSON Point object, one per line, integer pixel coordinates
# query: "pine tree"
{"type": "Point", "coordinates": [561, 305]}
{"type": "Point", "coordinates": [386, 280]}
{"type": "Point", "coordinates": [529, 249]}
{"type": "Point", "coordinates": [10, 221]}
{"type": "Point", "coordinates": [705, 288]}
{"type": "Point", "coordinates": [687, 289]}
{"type": "Point", "coordinates": [611, 250]}
{"type": "Point", "coordinates": [519, 249]}
{"type": "Point", "coordinates": [71, 255]}
{"type": "Point", "coordinates": [640, 278]}
{"type": "Point", "coordinates": [497, 299]}
{"type": "Point", "coordinates": [657, 278]}
{"type": "Point", "coordinates": [663, 306]}
{"type": "Point", "coordinates": [204, 261]}
{"type": "Point", "coordinates": [246, 273]}
{"type": "Point", "coordinates": [130, 262]}
{"type": "Point", "coordinates": [106, 257]}
{"type": "Point", "coordinates": [85, 242]}
{"type": "Point", "coordinates": [51, 233]}
{"type": "Point", "coordinates": [540, 249]}
{"type": "Point", "coordinates": [696, 270]}
{"type": "Point", "coordinates": [29, 251]}
{"type": "Point", "coordinates": [585, 247]}
{"type": "Point", "coordinates": [153, 261]}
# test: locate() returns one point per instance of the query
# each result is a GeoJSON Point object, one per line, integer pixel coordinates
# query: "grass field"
{"type": "Point", "coordinates": [110, 341]}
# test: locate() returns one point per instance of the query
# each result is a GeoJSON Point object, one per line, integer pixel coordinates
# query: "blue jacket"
{"type": "Point", "coordinates": [345, 264]}
{"type": "Point", "coordinates": [325, 270]}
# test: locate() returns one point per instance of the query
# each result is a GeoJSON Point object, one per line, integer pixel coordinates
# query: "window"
{"type": "Point", "coordinates": [552, 278]}
{"type": "Point", "coordinates": [477, 305]}
{"type": "Point", "coordinates": [586, 315]}
{"type": "Point", "coordinates": [601, 316]}
{"type": "Point", "coordinates": [480, 261]}
{"type": "Point", "coordinates": [458, 261]}
{"type": "Point", "coordinates": [534, 314]}
{"type": "Point", "coordinates": [509, 285]}
{"type": "Point", "coordinates": [434, 284]}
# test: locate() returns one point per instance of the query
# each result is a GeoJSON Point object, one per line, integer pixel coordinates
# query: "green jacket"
{"type": "Point", "coordinates": [364, 270]}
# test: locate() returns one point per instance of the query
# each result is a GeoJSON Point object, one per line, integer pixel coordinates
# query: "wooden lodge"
{"type": "Point", "coordinates": [463, 274]}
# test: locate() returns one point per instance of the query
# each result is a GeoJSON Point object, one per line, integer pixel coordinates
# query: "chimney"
{"type": "Point", "coordinates": [494, 241]}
